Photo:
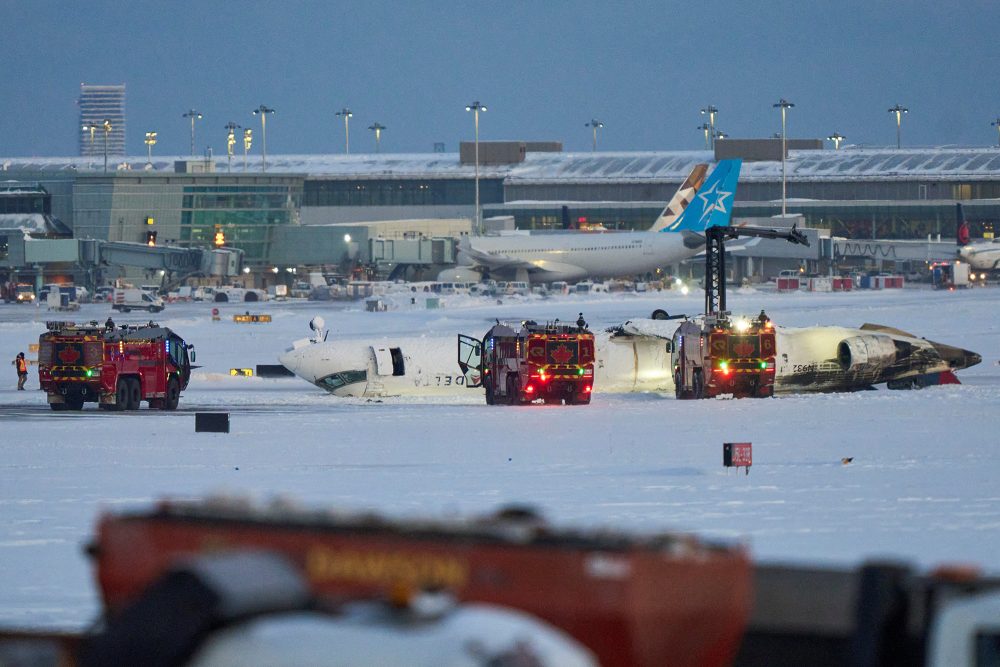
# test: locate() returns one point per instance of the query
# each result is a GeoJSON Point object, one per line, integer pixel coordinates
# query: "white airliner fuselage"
{"type": "Point", "coordinates": [634, 358]}
{"type": "Point", "coordinates": [428, 366]}
{"type": "Point", "coordinates": [983, 256]}
{"type": "Point", "coordinates": [575, 256]}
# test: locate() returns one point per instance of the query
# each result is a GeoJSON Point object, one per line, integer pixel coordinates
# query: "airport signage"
{"type": "Point", "coordinates": [247, 317]}
{"type": "Point", "coordinates": [737, 455]}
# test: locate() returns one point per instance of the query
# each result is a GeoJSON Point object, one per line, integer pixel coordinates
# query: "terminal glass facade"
{"type": "Point", "coordinates": [549, 215]}
{"type": "Point", "coordinates": [245, 214]}
{"type": "Point", "coordinates": [187, 210]}
{"type": "Point", "coordinates": [852, 220]}
{"type": "Point", "coordinates": [400, 192]}
{"type": "Point", "coordinates": [24, 198]}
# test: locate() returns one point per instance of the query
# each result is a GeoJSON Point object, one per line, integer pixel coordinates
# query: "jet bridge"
{"type": "Point", "coordinates": [24, 252]}
{"type": "Point", "coordinates": [176, 260]}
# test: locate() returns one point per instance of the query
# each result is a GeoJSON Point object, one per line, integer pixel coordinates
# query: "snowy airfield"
{"type": "Point", "coordinates": [923, 487]}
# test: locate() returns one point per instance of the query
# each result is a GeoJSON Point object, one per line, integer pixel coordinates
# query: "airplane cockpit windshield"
{"type": "Point", "coordinates": [337, 380]}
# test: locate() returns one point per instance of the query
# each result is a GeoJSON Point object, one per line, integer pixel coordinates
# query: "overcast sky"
{"type": "Point", "coordinates": [544, 69]}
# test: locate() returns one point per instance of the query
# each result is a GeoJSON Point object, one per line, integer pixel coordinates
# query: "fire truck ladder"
{"type": "Point", "coordinates": [715, 258]}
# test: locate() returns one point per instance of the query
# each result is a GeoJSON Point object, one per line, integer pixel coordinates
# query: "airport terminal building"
{"type": "Point", "coordinates": [320, 209]}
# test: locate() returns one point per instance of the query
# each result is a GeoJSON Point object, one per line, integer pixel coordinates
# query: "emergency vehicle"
{"type": "Point", "coordinates": [116, 368]}
{"type": "Point", "coordinates": [552, 361]}
{"type": "Point", "coordinates": [717, 355]}
{"type": "Point", "coordinates": [633, 599]}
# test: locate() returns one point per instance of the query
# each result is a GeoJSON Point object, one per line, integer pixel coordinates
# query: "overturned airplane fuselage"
{"type": "Point", "coordinates": [635, 357]}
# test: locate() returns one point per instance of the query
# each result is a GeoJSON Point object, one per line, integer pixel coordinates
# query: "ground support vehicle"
{"type": "Point", "coordinates": [19, 293]}
{"type": "Point", "coordinates": [180, 573]}
{"type": "Point", "coordinates": [116, 368]}
{"type": "Point", "coordinates": [716, 356]}
{"type": "Point", "coordinates": [127, 299]}
{"type": "Point", "coordinates": [632, 599]}
{"type": "Point", "coordinates": [950, 275]}
{"type": "Point", "coordinates": [553, 362]}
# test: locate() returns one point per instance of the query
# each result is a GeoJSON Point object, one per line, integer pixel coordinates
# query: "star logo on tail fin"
{"type": "Point", "coordinates": [715, 200]}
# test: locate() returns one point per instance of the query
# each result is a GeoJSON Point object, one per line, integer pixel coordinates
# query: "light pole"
{"type": "Point", "coordinates": [247, 141]}
{"type": "Point", "coordinates": [899, 111]}
{"type": "Point", "coordinates": [784, 105]}
{"type": "Point", "coordinates": [150, 142]}
{"type": "Point", "coordinates": [106, 126]}
{"type": "Point", "coordinates": [476, 107]}
{"type": "Point", "coordinates": [346, 113]}
{"type": "Point", "coordinates": [710, 111]}
{"type": "Point", "coordinates": [377, 129]}
{"type": "Point", "coordinates": [706, 128]}
{"type": "Point", "coordinates": [996, 124]}
{"type": "Point", "coordinates": [231, 128]}
{"type": "Point", "coordinates": [92, 127]}
{"type": "Point", "coordinates": [836, 138]}
{"type": "Point", "coordinates": [719, 134]}
{"type": "Point", "coordinates": [594, 124]}
{"type": "Point", "coordinates": [192, 114]}
{"type": "Point", "coordinates": [262, 111]}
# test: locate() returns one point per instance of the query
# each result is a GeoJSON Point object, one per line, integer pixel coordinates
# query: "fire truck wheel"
{"type": "Point", "coordinates": [698, 385]}
{"type": "Point", "coordinates": [134, 394]}
{"type": "Point", "coordinates": [121, 394]}
{"type": "Point", "coordinates": [57, 407]}
{"type": "Point", "coordinates": [488, 386]}
{"type": "Point", "coordinates": [173, 395]}
{"type": "Point", "coordinates": [679, 391]}
{"type": "Point", "coordinates": [74, 403]}
{"type": "Point", "coordinates": [512, 393]}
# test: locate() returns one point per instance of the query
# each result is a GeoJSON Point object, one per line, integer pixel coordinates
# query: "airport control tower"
{"type": "Point", "coordinates": [97, 104]}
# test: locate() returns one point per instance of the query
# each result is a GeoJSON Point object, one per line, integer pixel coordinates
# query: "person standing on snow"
{"type": "Point", "coordinates": [22, 370]}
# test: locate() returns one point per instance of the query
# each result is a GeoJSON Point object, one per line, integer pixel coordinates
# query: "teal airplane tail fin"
{"type": "Point", "coordinates": [712, 205]}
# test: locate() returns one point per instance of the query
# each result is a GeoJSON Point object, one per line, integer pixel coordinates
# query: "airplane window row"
{"type": "Point", "coordinates": [534, 250]}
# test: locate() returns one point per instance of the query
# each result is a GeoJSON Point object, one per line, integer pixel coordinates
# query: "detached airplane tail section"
{"type": "Point", "coordinates": [712, 205]}
{"type": "Point", "coordinates": [681, 199]}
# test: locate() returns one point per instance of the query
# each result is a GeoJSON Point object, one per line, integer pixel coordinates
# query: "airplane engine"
{"type": "Point", "coordinates": [860, 353]}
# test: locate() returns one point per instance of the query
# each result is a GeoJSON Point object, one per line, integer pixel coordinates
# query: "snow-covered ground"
{"type": "Point", "coordinates": [922, 487]}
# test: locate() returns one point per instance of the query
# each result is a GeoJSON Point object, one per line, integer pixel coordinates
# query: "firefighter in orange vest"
{"type": "Point", "coordinates": [22, 370]}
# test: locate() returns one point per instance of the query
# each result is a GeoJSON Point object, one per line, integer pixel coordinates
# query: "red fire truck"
{"type": "Point", "coordinates": [553, 362]}
{"type": "Point", "coordinates": [718, 355]}
{"type": "Point", "coordinates": [115, 367]}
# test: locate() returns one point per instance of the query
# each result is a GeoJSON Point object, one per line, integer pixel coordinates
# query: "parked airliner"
{"type": "Point", "coordinates": [576, 256]}
{"type": "Point", "coordinates": [981, 256]}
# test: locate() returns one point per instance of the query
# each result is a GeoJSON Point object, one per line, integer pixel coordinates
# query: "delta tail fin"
{"type": "Point", "coordinates": [681, 199]}
{"type": "Point", "coordinates": [712, 205]}
{"type": "Point", "coordinates": [961, 226]}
